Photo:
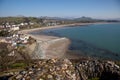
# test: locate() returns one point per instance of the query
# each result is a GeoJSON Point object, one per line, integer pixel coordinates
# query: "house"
{"type": "Point", "coordinates": [14, 28]}
{"type": "Point", "coordinates": [3, 40]}
{"type": "Point", "coordinates": [14, 43]}
{"type": "Point", "coordinates": [31, 23]}
{"type": "Point", "coordinates": [8, 26]}
{"type": "Point", "coordinates": [24, 38]}
{"type": "Point", "coordinates": [22, 24]}
{"type": "Point", "coordinates": [15, 35]}
{"type": "Point", "coordinates": [25, 23]}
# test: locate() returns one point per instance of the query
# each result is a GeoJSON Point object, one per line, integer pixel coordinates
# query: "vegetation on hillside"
{"type": "Point", "coordinates": [18, 20]}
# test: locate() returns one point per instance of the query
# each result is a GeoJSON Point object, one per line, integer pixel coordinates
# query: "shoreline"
{"type": "Point", "coordinates": [43, 37]}
{"type": "Point", "coordinates": [27, 31]}
{"type": "Point", "coordinates": [46, 38]}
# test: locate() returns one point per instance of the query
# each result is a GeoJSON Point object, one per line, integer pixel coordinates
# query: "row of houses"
{"type": "Point", "coordinates": [10, 27]}
{"type": "Point", "coordinates": [13, 42]}
{"type": "Point", "coordinates": [14, 26]}
{"type": "Point", "coordinates": [42, 22]}
{"type": "Point", "coordinates": [15, 39]}
{"type": "Point", "coordinates": [49, 22]}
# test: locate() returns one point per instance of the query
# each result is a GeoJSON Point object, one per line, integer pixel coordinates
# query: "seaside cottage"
{"type": "Point", "coordinates": [15, 28]}
{"type": "Point", "coordinates": [23, 38]}
{"type": "Point", "coordinates": [31, 23]}
{"type": "Point", "coordinates": [14, 43]}
{"type": "Point", "coordinates": [22, 24]}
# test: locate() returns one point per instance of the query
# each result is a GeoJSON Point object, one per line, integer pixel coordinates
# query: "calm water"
{"type": "Point", "coordinates": [98, 40]}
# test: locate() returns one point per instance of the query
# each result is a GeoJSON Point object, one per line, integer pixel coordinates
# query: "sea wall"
{"type": "Point", "coordinates": [55, 48]}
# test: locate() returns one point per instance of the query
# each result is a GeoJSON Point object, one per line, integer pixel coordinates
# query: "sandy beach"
{"type": "Point", "coordinates": [45, 37]}
{"type": "Point", "coordinates": [53, 47]}
{"type": "Point", "coordinates": [27, 31]}
{"type": "Point", "coordinates": [50, 27]}
{"type": "Point", "coordinates": [41, 37]}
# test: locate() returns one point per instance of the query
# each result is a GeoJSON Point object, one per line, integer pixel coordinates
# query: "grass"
{"type": "Point", "coordinates": [17, 65]}
{"type": "Point", "coordinates": [94, 78]}
{"type": "Point", "coordinates": [118, 63]}
{"type": "Point", "coordinates": [14, 67]}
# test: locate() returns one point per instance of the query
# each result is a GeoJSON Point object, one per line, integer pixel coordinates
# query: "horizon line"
{"type": "Point", "coordinates": [61, 16]}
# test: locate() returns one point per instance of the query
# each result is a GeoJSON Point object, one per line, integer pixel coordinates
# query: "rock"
{"type": "Point", "coordinates": [41, 79]}
{"type": "Point", "coordinates": [30, 72]}
{"type": "Point", "coordinates": [64, 69]}
{"type": "Point", "coordinates": [19, 76]}
{"type": "Point", "coordinates": [50, 76]}
{"type": "Point", "coordinates": [23, 78]}
{"type": "Point", "coordinates": [23, 72]}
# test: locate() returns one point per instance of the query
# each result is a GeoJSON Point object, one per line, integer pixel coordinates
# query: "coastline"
{"type": "Point", "coordinates": [49, 43]}
{"type": "Point", "coordinates": [50, 27]}
{"type": "Point", "coordinates": [45, 38]}
{"type": "Point", "coordinates": [26, 31]}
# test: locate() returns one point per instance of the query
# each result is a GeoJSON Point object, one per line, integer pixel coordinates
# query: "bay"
{"type": "Point", "coordinates": [98, 40]}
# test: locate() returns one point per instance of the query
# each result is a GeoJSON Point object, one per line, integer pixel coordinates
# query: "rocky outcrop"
{"type": "Point", "coordinates": [105, 70]}
{"type": "Point", "coordinates": [64, 69]}
{"type": "Point", "coordinates": [52, 69]}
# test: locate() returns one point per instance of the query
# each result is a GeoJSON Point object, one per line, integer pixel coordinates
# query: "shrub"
{"type": "Point", "coordinates": [94, 78]}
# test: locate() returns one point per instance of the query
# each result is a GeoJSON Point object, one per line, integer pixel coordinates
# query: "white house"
{"type": "Point", "coordinates": [15, 28]}
{"type": "Point", "coordinates": [21, 24]}
{"type": "Point", "coordinates": [15, 35]}
{"type": "Point", "coordinates": [31, 23]}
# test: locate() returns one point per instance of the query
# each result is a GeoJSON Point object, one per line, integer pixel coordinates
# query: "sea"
{"type": "Point", "coordinates": [94, 40]}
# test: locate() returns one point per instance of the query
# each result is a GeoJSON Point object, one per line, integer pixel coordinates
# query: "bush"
{"type": "Point", "coordinates": [4, 33]}
{"type": "Point", "coordinates": [118, 63]}
{"type": "Point", "coordinates": [18, 65]}
{"type": "Point", "coordinates": [94, 78]}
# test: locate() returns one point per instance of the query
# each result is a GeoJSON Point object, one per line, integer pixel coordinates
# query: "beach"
{"type": "Point", "coordinates": [51, 44]}
{"type": "Point", "coordinates": [26, 31]}
{"type": "Point", "coordinates": [45, 37]}
{"type": "Point", "coordinates": [47, 47]}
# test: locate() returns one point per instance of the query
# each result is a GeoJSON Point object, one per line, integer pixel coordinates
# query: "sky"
{"type": "Point", "coordinates": [61, 8]}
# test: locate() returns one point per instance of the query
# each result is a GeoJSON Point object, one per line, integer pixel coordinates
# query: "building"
{"type": "Point", "coordinates": [14, 28]}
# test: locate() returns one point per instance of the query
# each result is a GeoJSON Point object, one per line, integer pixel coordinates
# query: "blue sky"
{"type": "Point", "coordinates": [61, 8]}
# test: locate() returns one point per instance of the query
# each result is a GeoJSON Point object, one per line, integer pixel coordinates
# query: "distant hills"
{"type": "Point", "coordinates": [61, 20]}
{"type": "Point", "coordinates": [83, 18]}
